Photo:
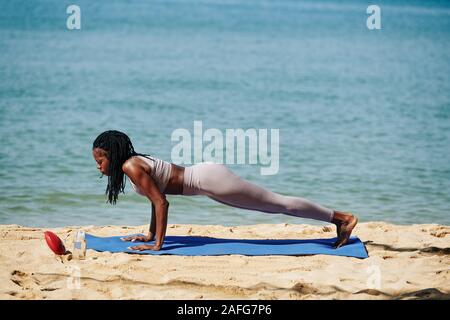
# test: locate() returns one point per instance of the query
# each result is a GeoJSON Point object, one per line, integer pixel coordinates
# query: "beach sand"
{"type": "Point", "coordinates": [405, 262]}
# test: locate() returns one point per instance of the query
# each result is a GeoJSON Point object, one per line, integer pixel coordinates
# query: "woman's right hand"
{"type": "Point", "coordinates": [138, 238]}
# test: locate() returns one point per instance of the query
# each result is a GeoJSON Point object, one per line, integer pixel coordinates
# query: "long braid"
{"type": "Point", "coordinates": [119, 149]}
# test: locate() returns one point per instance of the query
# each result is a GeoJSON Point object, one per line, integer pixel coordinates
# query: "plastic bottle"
{"type": "Point", "coordinates": [79, 246]}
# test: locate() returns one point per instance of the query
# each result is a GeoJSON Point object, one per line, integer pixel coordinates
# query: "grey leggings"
{"type": "Point", "coordinates": [220, 184]}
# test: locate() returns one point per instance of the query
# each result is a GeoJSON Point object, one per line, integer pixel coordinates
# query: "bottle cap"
{"type": "Point", "coordinates": [80, 235]}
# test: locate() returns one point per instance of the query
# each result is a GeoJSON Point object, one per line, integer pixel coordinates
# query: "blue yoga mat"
{"type": "Point", "coordinates": [205, 246]}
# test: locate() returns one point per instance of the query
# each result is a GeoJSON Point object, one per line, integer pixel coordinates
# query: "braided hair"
{"type": "Point", "coordinates": [118, 149]}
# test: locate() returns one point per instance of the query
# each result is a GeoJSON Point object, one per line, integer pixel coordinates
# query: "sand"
{"type": "Point", "coordinates": [406, 262]}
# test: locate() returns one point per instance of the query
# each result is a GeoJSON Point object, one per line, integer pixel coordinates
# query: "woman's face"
{"type": "Point", "coordinates": [102, 160]}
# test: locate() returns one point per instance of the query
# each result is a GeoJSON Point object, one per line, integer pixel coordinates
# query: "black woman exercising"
{"type": "Point", "coordinates": [154, 178]}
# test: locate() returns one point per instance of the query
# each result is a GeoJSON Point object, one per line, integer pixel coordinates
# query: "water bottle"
{"type": "Point", "coordinates": [79, 246]}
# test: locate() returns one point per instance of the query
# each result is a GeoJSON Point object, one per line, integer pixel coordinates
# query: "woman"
{"type": "Point", "coordinates": [154, 178]}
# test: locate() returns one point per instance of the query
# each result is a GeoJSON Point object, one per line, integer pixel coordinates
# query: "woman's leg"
{"type": "Point", "coordinates": [222, 185]}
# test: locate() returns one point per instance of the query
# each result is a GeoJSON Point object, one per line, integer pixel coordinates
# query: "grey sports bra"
{"type": "Point", "coordinates": [160, 172]}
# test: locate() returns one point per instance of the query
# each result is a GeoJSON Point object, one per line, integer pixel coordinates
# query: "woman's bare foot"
{"type": "Point", "coordinates": [345, 222]}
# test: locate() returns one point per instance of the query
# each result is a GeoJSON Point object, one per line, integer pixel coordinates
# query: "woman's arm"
{"type": "Point", "coordinates": [161, 213]}
{"type": "Point", "coordinates": [148, 187]}
{"type": "Point", "coordinates": [152, 228]}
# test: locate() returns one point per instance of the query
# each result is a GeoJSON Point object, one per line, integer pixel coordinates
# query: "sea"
{"type": "Point", "coordinates": [360, 98]}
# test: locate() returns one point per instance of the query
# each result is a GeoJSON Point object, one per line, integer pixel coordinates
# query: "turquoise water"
{"type": "Point", "coordinates": [363, 116]}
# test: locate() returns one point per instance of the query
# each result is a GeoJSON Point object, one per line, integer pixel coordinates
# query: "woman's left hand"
{"type": "Point", "coordinates": [143, 247]}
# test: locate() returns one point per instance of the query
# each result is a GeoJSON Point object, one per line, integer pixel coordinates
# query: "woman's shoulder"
{"type": "Point", "coordinates": [135, 163]}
